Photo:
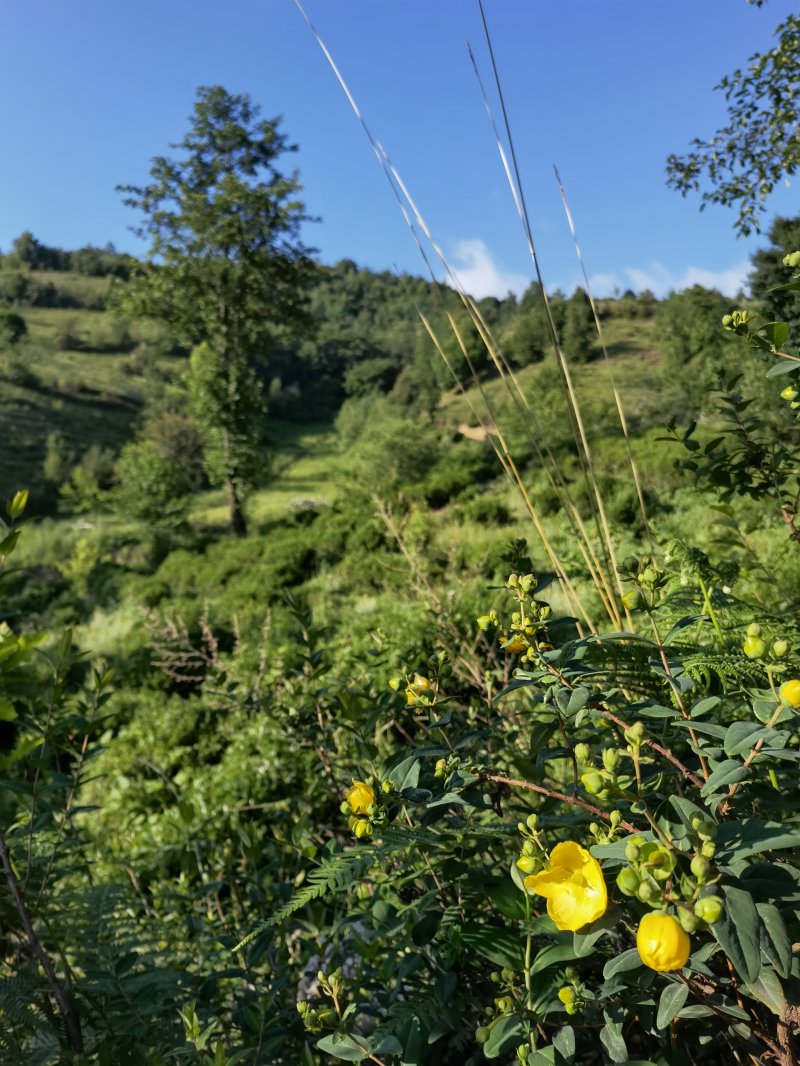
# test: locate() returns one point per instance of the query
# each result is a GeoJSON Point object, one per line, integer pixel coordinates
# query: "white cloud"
{"type": "Point", "coordinates": [479, 275]}
{"type": "Point", "coordinates": [661, 280]}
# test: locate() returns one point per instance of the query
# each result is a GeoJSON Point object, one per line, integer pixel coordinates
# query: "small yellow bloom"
{"type": "Point", "coordinates": [360, 796]}
{"type": "Point", "coordinates": [573, 886]}
{"type": "Point", "coordinates": [661, 943]}
{"type": "Point", "coordinates": [417, 688]}
{"type": "Point", "coordinates": [789, 692]}
{"type": "Point", "coordinates": [515, 645]}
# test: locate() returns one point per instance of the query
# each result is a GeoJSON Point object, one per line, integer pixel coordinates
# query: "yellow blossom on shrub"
{"type": "Point", "coordinates": [420, 686]}
{"type": "Point", "coordinates": [515, 645]}
{"type": "Point", "coordinates": [662, 943]}
{"type": "Point", "coordinates": [790, 692]}
{"type": "Point", "coordinates": [360, 796]}
{"type": "Point", "coordinates": [573, 885]}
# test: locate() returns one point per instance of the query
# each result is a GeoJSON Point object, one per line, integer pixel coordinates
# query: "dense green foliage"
{"type": "Point", "coordinates": [480, 746]}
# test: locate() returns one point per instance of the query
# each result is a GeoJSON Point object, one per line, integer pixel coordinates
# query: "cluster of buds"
{"type": "Point", "coordinates": [362, 806]}
{"type": "Point", "coordinates": [534, 854]}
{"type": "Point", "coordinates": [792, 260]}
{"type": "Point", "coordinates": [502, 1006]}
{"type": "Point", "coordinates": [522, 636]}
{"type": "Point", "coordinates": [445, 767]}
{"type": "Point", "coordinates": [606, 782]}
{"type": "Point", "coordinates": [571, 995]}
{"type": "Point", "coordinates": [648, 579]}
{"type": "Point", "coordinates": [316, 1020]}
{"type": "Point", "coordinates": [737, 322]}
{"type": "Point", "coordinates": [419, 690]}
{"type": "Point", "coordinates": [756, 647]}
{"type": "Point", "coordinates": [791, 394]}
{"type": "Point", "coordinates": [653, 877]}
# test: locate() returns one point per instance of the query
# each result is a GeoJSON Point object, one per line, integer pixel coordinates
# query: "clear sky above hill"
{"type": "Point", "coordinates": [92, 89]}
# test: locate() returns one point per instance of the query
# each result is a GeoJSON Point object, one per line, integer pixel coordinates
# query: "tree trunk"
{"type": "Point", "coordinates": [238, 521]}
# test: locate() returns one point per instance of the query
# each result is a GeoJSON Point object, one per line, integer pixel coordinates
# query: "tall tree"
{"type": "Point", "coordinates": [744, 161]}
{"type": "Point", "coordinates": [226, 269]}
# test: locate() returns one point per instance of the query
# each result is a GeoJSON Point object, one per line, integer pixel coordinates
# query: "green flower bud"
{"type": "Point", "coordinates": [628, 881]}
{"type": "Point", "coordinates": [709, 849]}
{"type": "Point", "coordinates": [610, 759]}
{"type": "Point", "coordinates": [532, 821]}
{"type": "Point", "coordinates": [632, 600]}
{"type": "Point", "coordinates": [709, 909]}
{"type": "Point", "coordinates": [441, 768]}
{"type": "Point", "coordinates": [504, 1004]}
{"type": "Point", "coordinates": [582, 753]}
{"type": "Point", "coordinates": [700, 867]}
{"type": "Point", "coordinates": [648, 892]}
{"type": "Point", "coordinates": [789, 393]}
{"type": "Point", "coordinates": [688, 921]}
{"type": "Point", "coordinates": [780, 648]}
{"type": "Point", "coordinates": [526, 864]}
{"type": "Point", "coordinates": [754, 630]}
{"type": "Point", "coordinates": [592, 782]}
{"type": "Point", "coordinates": [754, 647]}
{"type": "Point", "coordinates": [635, 735]}
{"type": "Point", "coordinates": [482, 1034]}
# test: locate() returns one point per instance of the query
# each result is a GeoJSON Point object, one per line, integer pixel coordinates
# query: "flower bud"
{"type": "Point", "coordinates": [754, 630]}
{"type": "Point", "coordinates": [632, 600]}
{"type": "Point", "coordinates": [632, 849]}
{"type": "Point", "coordinates": [709, 849]}
{"type": "Point", "coordinates": [648, 892]}
{"type": "Point", "coordinates": [635, 735]}
{"type": "Point", "coordinates": [361, 828]}
{"type": "Point", "coordinates": [789, 692]}
{"type": "Point", "coordinates": [532, 821]}
{"type": "Point", "coordinates": [610, 759]}
{"type": "Point", "coordinates": [441, 768]}
{"type": "Point", "coordinates": [789, 393]}
{"type": "Point", "coordinates": [700, 868]}
{"type": "Point", "coordinates": [709, 909]}
{"type": "Point", "coordinates": [689, 922]}
{"type": "Point", "coordinates": [592, 782]}
{"type": "Point", "coordinates": [504, 1004]}
{"type": "Point", "coordinates": [482, 1034]}
{"type": "Point", "coordinates": [526, 864]}
{"type": "Point", "coordinates": [582, 753]}
{"type": "Point", "coordinates": [754, 647]}
{"type": "Point", "coordinates": [780, 648]}
{"type": "Point", "coordinates": [627, 881]}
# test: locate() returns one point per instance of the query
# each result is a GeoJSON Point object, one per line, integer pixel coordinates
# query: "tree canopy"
{"type": "Point", "coordinates": [226, 267]}
{"type": "Point", "coordinates": [744, 160]}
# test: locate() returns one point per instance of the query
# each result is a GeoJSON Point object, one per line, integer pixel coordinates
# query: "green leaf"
{"type": "Point", "coordinates": [504, 1036]}
{"type": "Point", "coordinates": [775, 942]}
{"type": "Point", "coordinates": [627, 960]}
{"type": "Point", "coordinates": [670, 1003]}
{"type": "Point", "coordinates": [739, 933]}
{"type": "Point", "coordinates": [785, 366]}
{"type": "Point", "coordinates": [742, 737]}
{"type": "Point", "coordinates": [727, 773]}
{"type": "Point", "coordinates": [612, 1040]}
{"type": "Point", "coordinates": [495, 943]}
{"type": "Point", "coordinates": [552, 955]}
{"type": "Point", "coordinates": [739, 840]}
{"type": "Point", "coordinates": [507, 898]}
{"type": "Point", "coordinates": [343, 1047]}
{"type": "Point", "coordinates": [767, 989]}
{"type": "Point", "coordinates": [405, 774]}
{"type": "Point", "coordinates": [564, 1042]}
{"type": "Point", "coordinates": [776, 333]}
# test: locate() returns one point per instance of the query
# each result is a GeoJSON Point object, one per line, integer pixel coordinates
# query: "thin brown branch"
{"type": "Point", "coordinates": [71, 1020]}
{"type": "Point", "coordinates": [573, 801]}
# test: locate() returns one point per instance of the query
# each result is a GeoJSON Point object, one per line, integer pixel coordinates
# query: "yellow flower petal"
{"type": "Point", "coordinates": [360, 796]}
{"type": "Point", "coordinates": [573, 886]}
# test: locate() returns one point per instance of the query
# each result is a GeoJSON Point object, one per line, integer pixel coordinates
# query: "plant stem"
{"type": "Point", "coordinates": [573, 801]}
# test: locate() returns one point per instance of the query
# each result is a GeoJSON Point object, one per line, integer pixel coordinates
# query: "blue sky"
{"type": "Point", "coordinates": [93, 89]}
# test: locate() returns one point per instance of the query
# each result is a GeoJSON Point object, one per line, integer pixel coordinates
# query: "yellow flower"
{"type": "Point", "coordinates": [360, 796]}
{"type": "Point", "coordinates": [420, 686]}
{"type": "Point", "coordinates": [573, 886]}
{"type": "Point", "coordinates": [661, 943]}
{"type": "Point", "coordinates": [515, 645]}
{"type": "Point", "coordinates": [789, 692]}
